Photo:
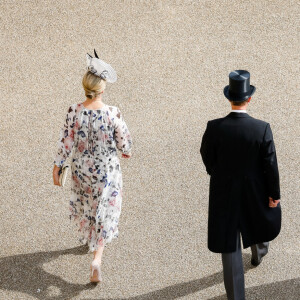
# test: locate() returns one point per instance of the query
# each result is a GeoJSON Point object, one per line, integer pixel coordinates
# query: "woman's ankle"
{"type": "Point", "coordinates": [97, 260]}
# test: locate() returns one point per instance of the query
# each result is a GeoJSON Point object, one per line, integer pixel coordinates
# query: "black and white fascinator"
{"type": "Point", "coordinates": [100, 68]}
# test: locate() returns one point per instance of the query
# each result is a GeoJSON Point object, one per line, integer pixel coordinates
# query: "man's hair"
{"type": "Point", "coordinates": [239, 103]}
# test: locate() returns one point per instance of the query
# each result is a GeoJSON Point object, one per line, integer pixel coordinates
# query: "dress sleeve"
{"type": "Point", "coordinates": [66, 138]}
{"type": "Point", "coordinates": [121, 134]}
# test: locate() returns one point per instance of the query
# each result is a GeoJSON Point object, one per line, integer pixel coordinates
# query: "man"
{"type": "Point", "coordinates": [239, 154]}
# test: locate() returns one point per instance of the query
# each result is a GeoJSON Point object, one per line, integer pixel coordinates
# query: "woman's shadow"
{"type": "Point", "coordinates": [24, 273]}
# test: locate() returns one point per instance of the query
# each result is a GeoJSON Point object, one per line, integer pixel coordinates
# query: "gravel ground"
{"type": "Point", "coordinates": [173, 59]}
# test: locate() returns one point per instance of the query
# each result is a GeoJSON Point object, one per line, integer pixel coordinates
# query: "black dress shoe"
{"type": "Point", "coordinates": [254, 262]}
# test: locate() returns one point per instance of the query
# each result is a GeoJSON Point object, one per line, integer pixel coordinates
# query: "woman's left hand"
{"type": "Point", "coordinates": [55, 175]}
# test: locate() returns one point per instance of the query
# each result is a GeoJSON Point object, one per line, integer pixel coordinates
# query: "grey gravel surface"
{"type": "Point", "coordinates": [172, 59]}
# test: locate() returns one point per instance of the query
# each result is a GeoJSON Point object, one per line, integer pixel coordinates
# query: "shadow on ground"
{"type": "Point", "coordinates": [24, 273]}
{"type": "Point", "coordinates": [287, 289]}
{"type": "Point", "coordinates": [280, 290]}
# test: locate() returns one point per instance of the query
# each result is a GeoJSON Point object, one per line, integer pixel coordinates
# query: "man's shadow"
{"type": "Point", "coordinates": [286, 289]}
{"type": "Point", "coordinates": [276, 290]}
{"type": "Point", "coordinates": [280, 290]}
{"type": "Point", "coordinates": [24, 273]}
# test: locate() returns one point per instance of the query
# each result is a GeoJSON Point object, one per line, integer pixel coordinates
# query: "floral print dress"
{"type": "Point", "coordinates": [94, 136]}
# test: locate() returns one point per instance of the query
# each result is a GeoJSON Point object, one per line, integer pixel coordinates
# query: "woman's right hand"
{"type": "Point", "coordinates": [55, 175]}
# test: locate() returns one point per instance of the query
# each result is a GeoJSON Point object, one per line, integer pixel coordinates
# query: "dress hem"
{"type": "Point", "coordinates": [86, 240]}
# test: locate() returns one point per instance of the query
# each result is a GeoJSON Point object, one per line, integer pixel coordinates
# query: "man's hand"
{"type": "Point", "coordinates": [272, 202]}
{"type": "Point", "coordinates": [55, 175]}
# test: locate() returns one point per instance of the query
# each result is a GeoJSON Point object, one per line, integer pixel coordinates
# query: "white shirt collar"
{"type": "Point", "coordinates": [239, 110]}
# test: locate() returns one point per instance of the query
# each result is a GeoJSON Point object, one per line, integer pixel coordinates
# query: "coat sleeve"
{"type": "Point", "coordinates": [206, 149]}
{"type": "Point", "coordinates": [122, 135]}
{"type": "Point", "coordinates": [270, 164]}
{"type": "Point", "coordinates": [66, 138]}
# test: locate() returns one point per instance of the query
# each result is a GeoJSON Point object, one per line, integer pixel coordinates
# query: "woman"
{"type": "Point", "coordinates": [94, 131]}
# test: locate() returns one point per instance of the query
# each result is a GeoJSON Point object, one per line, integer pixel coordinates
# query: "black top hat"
{"type": "Point", "coordinates": [239, 88]}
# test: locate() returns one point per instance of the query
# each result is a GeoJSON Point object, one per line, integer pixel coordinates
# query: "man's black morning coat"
{"type": "Point", "coordinates": [239, 155]}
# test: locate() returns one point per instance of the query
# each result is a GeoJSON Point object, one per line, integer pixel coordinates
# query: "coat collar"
{"type": "Point", "coordinates": [237, 115]}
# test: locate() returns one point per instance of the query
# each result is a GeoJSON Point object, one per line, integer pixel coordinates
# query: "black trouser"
{"type": "Point", "coordinates": [233, 270]}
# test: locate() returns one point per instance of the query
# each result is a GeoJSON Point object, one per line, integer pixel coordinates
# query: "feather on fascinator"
{"type": "Point", "coordinates": [100, 68]}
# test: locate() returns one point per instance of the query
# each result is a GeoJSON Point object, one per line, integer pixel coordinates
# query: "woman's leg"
{"type": "Point", "coordinates": [98, 254]}
{"type": "Point", "coordinates": [96, 277]}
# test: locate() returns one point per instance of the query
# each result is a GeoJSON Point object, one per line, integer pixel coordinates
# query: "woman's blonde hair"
{"type": "Point", "coordinates": [93, 85]}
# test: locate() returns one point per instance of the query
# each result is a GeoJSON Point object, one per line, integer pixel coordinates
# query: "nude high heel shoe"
{"type": "Point", "coordinates": [95, 272]}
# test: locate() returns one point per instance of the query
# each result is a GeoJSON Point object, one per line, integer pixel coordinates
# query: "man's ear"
{"type": "Point", "coordinates": [248, 100]}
